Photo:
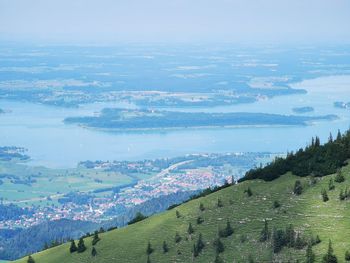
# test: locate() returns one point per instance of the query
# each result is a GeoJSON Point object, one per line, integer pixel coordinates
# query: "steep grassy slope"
{"type": "Point", "coordinates": [307, 212]}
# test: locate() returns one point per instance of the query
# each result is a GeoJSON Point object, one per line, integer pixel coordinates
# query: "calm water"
{"type": "Point", "coordinates": [40, 129]}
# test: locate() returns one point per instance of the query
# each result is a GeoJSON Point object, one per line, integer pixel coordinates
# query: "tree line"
{"type": "Point", "coordinates": [315, 159]}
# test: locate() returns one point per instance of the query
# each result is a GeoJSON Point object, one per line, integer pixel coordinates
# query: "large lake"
{"type": "Point", "coordinates": [50, 142]}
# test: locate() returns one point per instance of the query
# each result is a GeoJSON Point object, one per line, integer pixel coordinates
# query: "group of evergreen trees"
{"type": "Point", "coordinates": [280, 238]}
{"type": "Point", "coordinates": [315, 159]}
{"type": "Point", "coordinates": [80, 248]}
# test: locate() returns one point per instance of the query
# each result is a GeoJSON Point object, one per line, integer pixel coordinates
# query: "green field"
{"type": "Point", "coordinates": [54, 183]}
{"type": "Point", "coordinates": [307, 212]}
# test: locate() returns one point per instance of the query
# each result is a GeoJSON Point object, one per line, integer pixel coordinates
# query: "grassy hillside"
{"type": "Point", "coordinates": [307, 212]}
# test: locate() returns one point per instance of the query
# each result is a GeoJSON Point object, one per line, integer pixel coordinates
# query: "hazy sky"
{"type": "Point", "coordinates": [106, 21]}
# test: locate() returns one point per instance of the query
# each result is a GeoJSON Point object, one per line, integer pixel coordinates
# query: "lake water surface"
{"type": "Point", "coordinates": [50, 142]}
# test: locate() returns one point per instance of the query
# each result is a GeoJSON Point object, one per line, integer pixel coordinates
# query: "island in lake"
{"type": "Point", "coordinates": [301, 110]}
{"type": "Point", "coordinates": [342, 105]}
{"type": "Point", "coordinates": [134, 119]}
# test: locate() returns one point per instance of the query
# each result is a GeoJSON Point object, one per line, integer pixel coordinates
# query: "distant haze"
{"type": "Point", "coordinates": [113, 21]}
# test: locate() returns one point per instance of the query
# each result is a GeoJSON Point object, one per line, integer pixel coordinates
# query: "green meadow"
{"type": "Point", "coordinates": [50, 184]}
{"type": "Point", "coordinates": [307, 212]}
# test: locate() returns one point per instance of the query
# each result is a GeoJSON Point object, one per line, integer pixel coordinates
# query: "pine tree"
{"type": "Point", "coordinates": [73, 246]}
{"type": "Point", "coordinates": [339, 136]}
{"type": "Point", "coordinates": [93, 252]}
{"type": "Point", "coordinates": [190, 229]}
{"type": "Point", "coordinates": [347, 255]}
{"type": "Point", "coordinates": [81, 246]}
{"type": "Point", "coordinates": [30, 259]}
{"type": "Point", "coordinates": [229, 229]}
{"type": "Point", "coordinates": [149, 249]}
{"type": "Point", "coordinates": [339, 178]}
{"type": "Point", "coordinates": [324, 195]}
{"type": "Point", "coordinates": [220, 204]}
{"type": "Point", "coordinates": [276, 204]}
{"type": "Point", "coordinates": [289, 236]}
{"type": "Point", "coordinates": [249, 192]}
{"type": "Point", "coordinates": [265, 233]}
{"type": "Point", "coordinates": [299, 242]}
{"type": "Point", "coordinates": [331, 185]}
{"type": "Point", "coordinates": [177, 237]}
{"type": "Point", "coordinates": [330, 138]}
{"type": "Point", "coordinates": [200, 220]}
{"type": "Point", "coordinates": [219, 246]}
{"type": "Point", "coordinates": [218, 259]}
{"type": "Point", "coordinates": [165, 247]}
{"type": "Point", "coordinates": [195, 251]}
{"type": "Point", "coordinates": [329, 257]}
{"type": "Point", "coordinates": [177, 214]}
{"type": "Point", "coordinates": [317, 240]}
{"type": "Point", "coordinates": [95, 238]}
{"type": "Point", "coordinates": [310, 256]}
{"type": "Point", "coordinates": [278, 240]}
{"type": "Point", "coordinates": [200, 244]}
{"type": "Point", "coordinates": [341, 195]}
{"type": "Point", "coordinates": [298, 188]}
{"type": "Point", "coordinates": [201, 207]}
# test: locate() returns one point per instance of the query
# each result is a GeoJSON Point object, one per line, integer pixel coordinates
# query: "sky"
{"type": "Point", "coordinates": [114, 21]}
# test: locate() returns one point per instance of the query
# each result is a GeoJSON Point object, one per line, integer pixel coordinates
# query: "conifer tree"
{"type": "Point", "coordinates": [218, 259]}
{"type": "Point", "coordinates": [190, 229]}
{"type": "Point", "coordinates": [200, 220]}
{"type": "Point", "coordinates": [310, 255]}
{"type": "Point", "coordinates": [289, 236]}
{"type": "Point", "coordinates": [317, 240]}
{"type": "Point", "coordinates": [298, 188]}
{"type": "Point", "coordinates": [324, 195]}
{"type": "Point", "coordinates": [195, 252]}
{"type": "Point", "coordinates": [149, 249]}
{"type": "Point", "coordinates": [73, 246]}
{"type": "Point", "coordinates": [229, 229]}
{"type": "Point", "coordinates": [276, 204]}
{"type": "Point", "coordinates": [249, 192]}
{"type": "Point", "coordinates": [30, 259]}
{"type": "Point", "coordinates": [95, 238]}
{"type": "Point", "coordinates": [165, 247]}
{"type": "Point", "coordinates": [329, 257]}
{"type": "Point", "coordinates": [347, 255]}
{"type": "Point", "coordinates": [177, 214]}
{"type": "Point", "coordinates": [220, 204]}
{"type": "Point", "coordinates": [341, 195]}
{"type": "Point", "coordinates": [200, 244]}
{"type": "Point", "coordinates": [93, 252]}
{"type": "Point", "coordinates": [339, 178]}
{"type": "Point", "coordinates": [265, 233]}
{"type": "Point", "coordinates": [278, 240]}
{"type": "Point", "coordinates": [201, 207]}
{"type": "Point", "coordinates": [177, 237]}
{"type": "Point", "coordinates": [81, 246]}
{"type": "Point", "coordinates": [331, 185]}
{"type": "Point", "coordinates": [339, 136]}
{"type": "Point", "coordinates": [219, 246]}
{"type": "Point", "coordinates": [299, 242]}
